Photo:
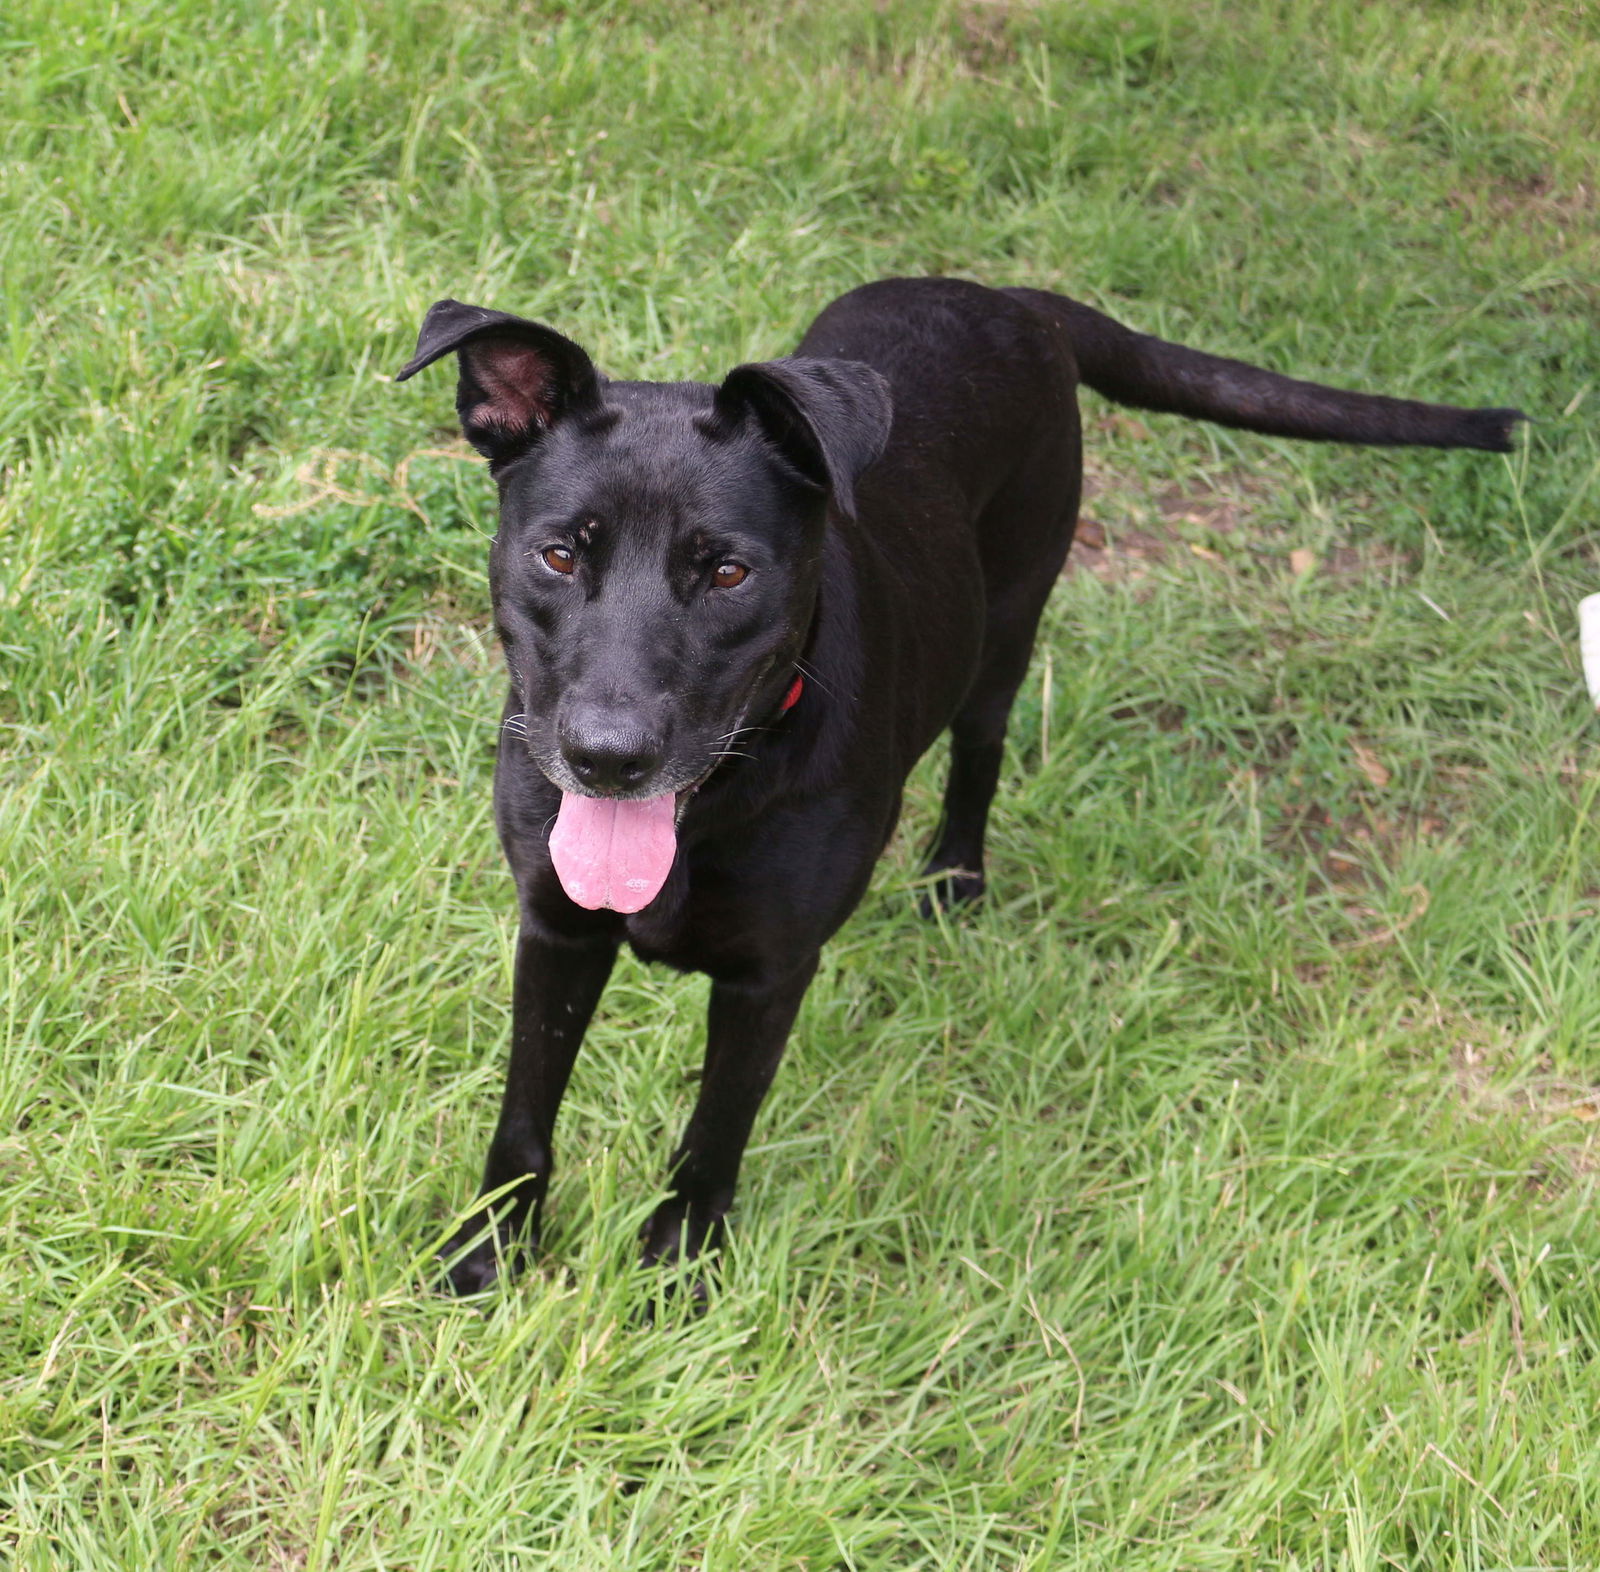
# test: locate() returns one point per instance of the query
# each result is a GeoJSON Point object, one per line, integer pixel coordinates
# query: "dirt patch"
{"type": "Point", "coordinates": [1371, 559]}
{"type": "Point", "coordinates": [1217, 509]}
{"type": "Point", "coordinates": [1175, 521]}
{"type": "Point", "coordinates": [1535, 200]}
{"type": "Point", "coordinates": [1128, 554]}
{"type": "Point", "coordinates": [1213, 520]}
{"type": "Point", "coordinates": [1560, 217]}
{"type": "Point", "coordinates": [1488, 1090]}
{"type": "Point", "coordinates": [1351, 852]}
{"type": "Point", "coordinates": [985, 40]}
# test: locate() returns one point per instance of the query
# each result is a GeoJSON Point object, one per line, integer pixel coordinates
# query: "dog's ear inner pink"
{"type": "Point", "coordinates": [517, 383]}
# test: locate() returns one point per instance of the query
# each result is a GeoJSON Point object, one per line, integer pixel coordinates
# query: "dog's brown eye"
{"type": "Point", "coordinates": [559, 558]}
{"type": "Point", "coordinates": [729, 574]}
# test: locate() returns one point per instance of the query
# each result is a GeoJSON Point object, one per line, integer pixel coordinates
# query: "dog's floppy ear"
{"type": "Point", "coordinates": [517, 377]}
{"type": "Point", "coordinates": [829, 419]}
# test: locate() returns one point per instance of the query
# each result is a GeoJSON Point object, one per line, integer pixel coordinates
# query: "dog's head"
{"type": "Point", "coordinates": [659, 551]}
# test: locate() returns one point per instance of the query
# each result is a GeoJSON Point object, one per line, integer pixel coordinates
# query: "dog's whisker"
{"type": "Point", "coordinates": [809, 673]}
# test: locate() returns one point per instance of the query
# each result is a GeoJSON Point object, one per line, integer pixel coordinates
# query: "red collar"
{"type": "Point", "coordinates": [792, 697]}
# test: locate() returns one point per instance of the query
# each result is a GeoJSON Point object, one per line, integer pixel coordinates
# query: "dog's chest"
{"type": "Point", "coordinates": [680, 930]}
{"type": "Point", "coordinates": [725, 917]}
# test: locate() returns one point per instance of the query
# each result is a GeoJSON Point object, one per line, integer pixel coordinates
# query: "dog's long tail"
{"type": "Point", "coordinates": [1149, 373]}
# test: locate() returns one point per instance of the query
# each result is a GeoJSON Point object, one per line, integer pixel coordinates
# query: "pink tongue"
{"type": "Point", "coordinates": [616, 854]}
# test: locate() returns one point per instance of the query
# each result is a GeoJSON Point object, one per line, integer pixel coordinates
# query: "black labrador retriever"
{"type": "Point", "coordinates": [735, 616]}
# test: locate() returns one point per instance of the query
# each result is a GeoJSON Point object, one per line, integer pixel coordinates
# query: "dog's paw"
{"type": "Point", "coordinates": [683, 1241]}
{"type": "Point", "coordinates": [494, 1256]}
{"type": "Point", "coordinates": [952, 888]}
{"type": "Point", "coordinates": [674, 1293]}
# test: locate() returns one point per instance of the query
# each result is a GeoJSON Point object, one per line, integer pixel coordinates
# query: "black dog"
{"type": "Point", "coordinates": [735, 616]}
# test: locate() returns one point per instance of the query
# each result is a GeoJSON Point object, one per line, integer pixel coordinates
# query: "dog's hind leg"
{"type": "Point", "coordinates": [977, 744]}
{"type": "Point", "coordinates": [747, 1027]}
{"type": "Point", "coordinates": [554, 994]}
{"type": "Point", "coordinates": [978, 732]}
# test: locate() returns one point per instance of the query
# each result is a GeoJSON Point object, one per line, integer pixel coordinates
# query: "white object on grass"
{"type": "Point", "coordinates": [1589, 644]}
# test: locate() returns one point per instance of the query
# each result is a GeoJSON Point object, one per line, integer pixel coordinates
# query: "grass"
{"type": "Point", "coordinates": [1220, 1196]}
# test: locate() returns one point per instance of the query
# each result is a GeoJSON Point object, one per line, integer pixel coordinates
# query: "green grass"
{"type": "Point", "coordinates": [1221, 1196]}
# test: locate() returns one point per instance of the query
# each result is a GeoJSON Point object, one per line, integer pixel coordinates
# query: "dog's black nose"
{"type": "Point", "coordinates": [610, 755]}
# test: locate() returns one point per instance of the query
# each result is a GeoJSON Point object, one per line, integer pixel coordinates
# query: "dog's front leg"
{"type": "Point", "coordinates": [558, 983]}
{"type": "Point", "coordinates": [747, 1027]}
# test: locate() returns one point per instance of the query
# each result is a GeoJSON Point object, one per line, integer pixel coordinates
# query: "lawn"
{"type": "Point", "coordinates": [1220, 1196]}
